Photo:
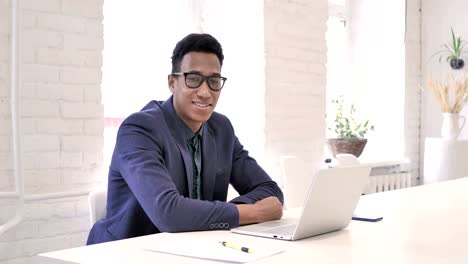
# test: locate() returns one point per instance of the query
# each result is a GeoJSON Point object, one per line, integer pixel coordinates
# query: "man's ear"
{"type": "Point", "coordinates": [171, 82]}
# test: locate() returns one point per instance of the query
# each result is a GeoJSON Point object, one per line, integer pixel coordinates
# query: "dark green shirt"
{"type": "Point", "coordinates": [194, 144]}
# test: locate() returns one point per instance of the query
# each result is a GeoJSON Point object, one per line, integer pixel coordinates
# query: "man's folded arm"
{"type": "Point", "coordinates": [250, 180]}
{"type": "Point", "coordinates": [260, 198]}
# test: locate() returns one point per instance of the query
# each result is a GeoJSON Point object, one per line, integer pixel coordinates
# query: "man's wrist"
{"type": "Point", "coordinates": [246, 214]}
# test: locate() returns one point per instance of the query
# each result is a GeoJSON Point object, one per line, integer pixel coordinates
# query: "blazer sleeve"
{"type": "Point", "coordinates": [140, 154]}
{"type": "Point", "coordinates": [249, 179]}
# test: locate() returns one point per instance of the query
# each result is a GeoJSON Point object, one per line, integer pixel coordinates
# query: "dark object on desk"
{"type": "Point", "coordinates": [367, 219]}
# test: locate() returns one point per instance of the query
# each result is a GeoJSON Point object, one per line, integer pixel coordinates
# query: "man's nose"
{"type": "Point", "coordinates": [204, 90]}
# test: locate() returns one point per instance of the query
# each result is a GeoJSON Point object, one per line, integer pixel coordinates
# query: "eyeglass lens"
{"type": "Point", "coordinates": [194, 80]}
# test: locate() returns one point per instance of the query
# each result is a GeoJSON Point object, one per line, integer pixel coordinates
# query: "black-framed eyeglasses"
{"type": "Point", "coordinates": [194, 80]}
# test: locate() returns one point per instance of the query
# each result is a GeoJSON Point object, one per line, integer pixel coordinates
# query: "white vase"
{"type": "Point", "coordinates": [451, 127]}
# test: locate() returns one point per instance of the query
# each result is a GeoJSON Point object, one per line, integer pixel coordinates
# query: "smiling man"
{"type": "Point", "coordinates": [174, 160]}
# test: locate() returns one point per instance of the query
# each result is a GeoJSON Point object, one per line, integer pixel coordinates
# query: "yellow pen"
{"type": "Point", "coordinates": [230, 245]}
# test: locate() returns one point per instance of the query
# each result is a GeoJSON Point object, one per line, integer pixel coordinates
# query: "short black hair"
{"type": "Point", "coordinates": [197, 42]}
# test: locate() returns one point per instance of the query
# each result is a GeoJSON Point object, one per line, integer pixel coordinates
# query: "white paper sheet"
{"type": "Point", "coordinates": [208, 249]}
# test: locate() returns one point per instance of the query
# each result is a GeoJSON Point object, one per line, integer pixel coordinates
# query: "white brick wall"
{"type": "Point", "coordinates": [51, 225]}
{"type": "Point", "coordinates": [6, 165]}
{"type": "Point", "coordinates": [81, 110]}
{"type": "Point", "coordinates": [40, 73]}
{"type": "Point", "coordinates": [43, 5]}
{"type": "Point", "coordinates": [295, 78]}
{"type": "Point", "coordinates": [61, 23]}
{"type": "Point", "coordinates": [83, 8]}
{"type": "Point", "coordinates": [42, 178]}
{"type": "Point", "coordinates": [61, 122]}
{"type": "Point", "coordinates": [39, 108]}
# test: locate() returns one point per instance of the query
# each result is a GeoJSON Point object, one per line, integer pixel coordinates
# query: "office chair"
{"type": "Point", "coordinates": [97, 201]}
{"type": "Point", "coordinates": [296, 180]}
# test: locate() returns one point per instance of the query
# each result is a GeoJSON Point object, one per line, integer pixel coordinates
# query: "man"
{"type": "Point", "coordinates": [174, 160]}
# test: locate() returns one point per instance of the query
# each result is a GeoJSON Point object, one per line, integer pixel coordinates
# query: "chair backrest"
{"type": "Point", "coordinates": [97, 201]}
{"type": "Point", "coordinates": [296, 180]}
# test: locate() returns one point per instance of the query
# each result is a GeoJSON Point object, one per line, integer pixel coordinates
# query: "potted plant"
{"type": "Point", "coordinates": [452, 96]}
{"type": "Point", "coordinates": [453, 52]}
{"type": "Point", "coordinates": [350, 132]}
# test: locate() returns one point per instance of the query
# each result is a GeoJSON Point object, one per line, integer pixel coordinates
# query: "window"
{"type": "Point", "coordinates": [139, 38]}
{"type": "Point", "coordinates": [366, 63]}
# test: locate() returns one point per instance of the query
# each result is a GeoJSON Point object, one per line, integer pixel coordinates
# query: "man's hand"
{"type": "Point", "coordinates": [264, 210]}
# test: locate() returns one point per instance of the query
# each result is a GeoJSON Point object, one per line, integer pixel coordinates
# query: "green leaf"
{"type": "Point", "coordinates": [453, 35]}
{"type": "Point", "coordinates": [345, 124]}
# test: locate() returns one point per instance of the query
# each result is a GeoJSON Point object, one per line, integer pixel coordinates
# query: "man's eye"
{"type": "Point", "coordinates": [194, 78]}
{"type": "Point", "coordinates": [215, 80]}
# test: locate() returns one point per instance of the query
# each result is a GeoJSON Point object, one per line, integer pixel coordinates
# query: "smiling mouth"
{"type": "Point", "coordinates": [201, 105]}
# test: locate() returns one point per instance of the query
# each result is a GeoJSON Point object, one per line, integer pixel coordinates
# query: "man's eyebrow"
{"type": "Point", "coordinates": [217, 74]}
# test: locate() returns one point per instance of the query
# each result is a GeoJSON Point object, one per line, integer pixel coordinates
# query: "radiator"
{"type": "Point", "coordinates": [388, 177]}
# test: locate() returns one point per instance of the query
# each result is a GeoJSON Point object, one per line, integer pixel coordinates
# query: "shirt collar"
{"type": "Point", "coordinates": [187, 134]}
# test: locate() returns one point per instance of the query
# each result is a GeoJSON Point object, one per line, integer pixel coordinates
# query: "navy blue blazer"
{"type": "Point", "coordinates": [150, 178]}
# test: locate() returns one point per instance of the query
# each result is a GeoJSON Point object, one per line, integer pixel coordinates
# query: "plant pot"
{"type": "Point", "coordinates": [353, 146]}
{"type": "Point", "coordinates": [451, 127]}
{"type": "Point", "coordinates": [457, 64]}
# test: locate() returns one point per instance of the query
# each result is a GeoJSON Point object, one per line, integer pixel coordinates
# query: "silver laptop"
{"type": "Point", "coordinates": [331, 200]}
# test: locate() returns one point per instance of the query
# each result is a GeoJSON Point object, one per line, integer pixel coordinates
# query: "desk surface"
{"type": "Point", "coordinates": [425, 224]}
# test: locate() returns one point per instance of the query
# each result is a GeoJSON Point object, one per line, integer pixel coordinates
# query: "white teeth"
{"type": "Point", "coordinates": [201, 105]}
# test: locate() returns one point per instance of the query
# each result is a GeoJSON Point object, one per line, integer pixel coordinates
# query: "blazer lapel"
{"type": "Point", "coordinates": [208, 163]}
{"type": "Point", "coordinates": [170, 117]}
{"type": "Point", "coordinates": [188, 166]}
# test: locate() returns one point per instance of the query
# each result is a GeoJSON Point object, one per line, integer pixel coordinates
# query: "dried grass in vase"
{"type": "Point", "coordinates": [450, 96]}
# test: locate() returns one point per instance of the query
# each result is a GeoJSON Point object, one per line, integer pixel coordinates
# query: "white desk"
{"type": "Point", "coordinates": [426, 224]}
{"type": "Point", "coordinates": [445, 159]}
